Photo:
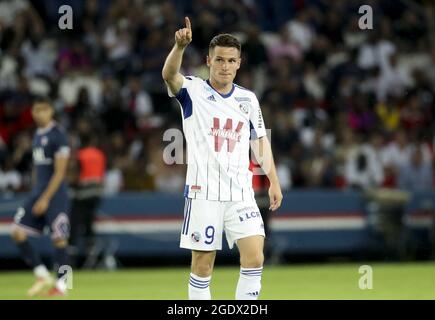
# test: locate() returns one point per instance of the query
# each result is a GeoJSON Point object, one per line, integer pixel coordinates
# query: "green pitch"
{"type": "Point", "coordinates": [326, 281]}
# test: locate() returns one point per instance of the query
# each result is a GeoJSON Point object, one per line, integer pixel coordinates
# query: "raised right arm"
{"type": "Point", "coordinates": [171, 69]}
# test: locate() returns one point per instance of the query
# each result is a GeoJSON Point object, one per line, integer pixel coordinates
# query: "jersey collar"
{"type": "Point", "coordinates": [222, 95]}
{"type": "Point", "coordinates": [46, 129]}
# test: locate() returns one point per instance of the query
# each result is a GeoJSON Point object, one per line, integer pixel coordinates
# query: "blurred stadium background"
{"type": "Point", "coordinates": [352, 114]}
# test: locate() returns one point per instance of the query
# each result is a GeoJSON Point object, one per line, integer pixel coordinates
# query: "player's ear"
{"type": "Point", "coordinates": [239, 62]}
{"type": "Point", "coordinates": [208, 60]}
{"type": "Point", "coordinates": [50, 109]}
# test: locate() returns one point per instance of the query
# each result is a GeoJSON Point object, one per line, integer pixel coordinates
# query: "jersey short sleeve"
{"type": "Point", "coordinates": [187, 83]}
{"type": "Point", "coordinates": [183, 96]}
{"type": "Point", "coordinates": [256, 121]}
{"type": "Point", "coordinates": [60, 144]}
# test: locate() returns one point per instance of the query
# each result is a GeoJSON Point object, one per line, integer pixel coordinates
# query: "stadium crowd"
{"type": "Point", "coordinates": [348, 108]}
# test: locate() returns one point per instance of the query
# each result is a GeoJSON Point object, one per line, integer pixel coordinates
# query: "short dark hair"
{"type": "Point", "coordinates": [225, 40]}
{"type": "Point", "coordinates": [43, 99]}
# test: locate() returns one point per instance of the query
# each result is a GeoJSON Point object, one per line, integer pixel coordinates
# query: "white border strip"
{"type": "Point", "coordinates": [138, 226]}
{"type": "Point", "coordinates": [277, 224]}
{"type": "Point", "coordinates": [298, 224]}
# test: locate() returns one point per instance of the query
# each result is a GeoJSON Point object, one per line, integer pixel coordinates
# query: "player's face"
{"type": "Point", "coordinates": [223, 63]}
{"type": "Point", "coordinates": [42, 114]}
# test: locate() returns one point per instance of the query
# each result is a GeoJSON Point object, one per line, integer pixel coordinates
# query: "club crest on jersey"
{"type": "Point", "coordinates": [245, 106]}
{"type": "Point", "coordinates": [212, 98]}
{"type": "Point", "coordinates": [44, 140]}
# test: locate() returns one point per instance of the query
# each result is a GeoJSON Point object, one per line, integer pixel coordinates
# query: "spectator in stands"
{"type": "Point", "coordinates": [284, 47]}
{"type": "Point", "coordinates": [411, 27]}
{"type": "Point", "coordinates": [360, 116]}
{"type": "Point", "coordinates": [417, 175]}
{"type": "Point", "coordinates": [254, 51]}
{"type": "Point", "coordinates": [397, 153]}
{"type": "Point", "coordinates": [138, 102]}
{"type": "Point", "coordinates": [205, 28]}
{"type": "Point", "coordinates": [318, 164]}
{"type": "Point", "coordinates": [82, 108]}
{"type": "Point", "coordinates": [113, 180]}
{"type": "Point", "coordinates": [22, 158]}
{"type": "Point", "coordinates": [363, 170]}
{"type": "Point", "coordinates": [18, 19]}
{"type": "Point", "coordinates": [388, 113]}
{"type": "Point", "coordinates": [39, 55]}
{"type": "Point", "coordinates": [3, 151]}
{"type": "Point", "coordinates": [376, 52]}
{"type": "Point", "coordinates": [166, 178]}
{"type": "Point", "coordinates": [10, 179]}
{"type": "Point", "coordinates": [391, 80]}
{"type": "Point", "coordinates": [73, 58]}
{"type": "Point", "coordinates": [429, 70]}
{"type": "Point", "coordinates": [300, 31]}
{"type": "Point", "coordinates": [346, 143]}
{"type": "Point", "coordinates": [117, 41]}
{"type": "Point", "coordinates": [412, 115]}
{"type": "Point", "coordinates": [116, 118]}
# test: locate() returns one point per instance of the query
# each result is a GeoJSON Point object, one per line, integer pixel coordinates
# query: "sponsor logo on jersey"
{"type": "Point", "coordinates": [241, 99]}
{"type": "Point", "coordinates": [226, 133]}
{"type": "Point", "coordinates": [249, 215]}
{"type": "Point", "coordinates": [211, 98]}
{"type": "Point", "coordinates": [260, 119]}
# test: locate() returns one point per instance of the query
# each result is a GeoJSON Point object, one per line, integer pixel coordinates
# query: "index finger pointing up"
{"type": "Point", "coordinates": [188, 25]}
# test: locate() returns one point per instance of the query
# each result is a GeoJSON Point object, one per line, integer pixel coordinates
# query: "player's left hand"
{"type": "Point", "coordinates": [184, 36]}
{"type": "Point", "coordinates": [275, 196]}
{"type": "Point", "coordinates": [40, 206]}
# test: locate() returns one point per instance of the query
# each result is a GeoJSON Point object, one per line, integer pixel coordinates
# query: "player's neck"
{"type": "Point", "coordinates": [45, 127]}
{"type": "Point", "coordinates": [221, 88]}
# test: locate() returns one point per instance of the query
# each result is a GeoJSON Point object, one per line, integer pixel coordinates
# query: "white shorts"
{"type": "Point", "coordinates": [205, 221]}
